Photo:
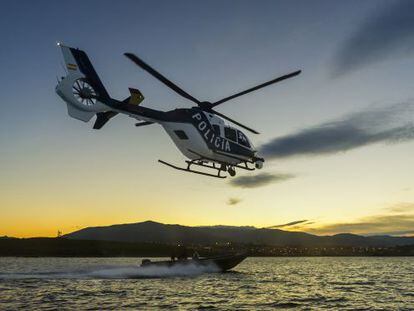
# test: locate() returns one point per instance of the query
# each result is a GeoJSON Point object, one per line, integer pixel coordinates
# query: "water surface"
{"type": "Point", "coordinates": [257, 283]}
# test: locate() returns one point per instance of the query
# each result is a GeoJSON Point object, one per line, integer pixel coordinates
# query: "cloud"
{"type": "Point", "coordinates": [385, 34]}
{"type": "Point", "coordinates": [401, 208]}
{"type": "Point", "coordinates": [259, 180]}
{"type": "Point", "coordinates": [396, 220]}
{"type": "Point", "coordinates": [233, 201]}
{"type": "Point", "coordinates": [391, 124]}
{"type": "Point", "coordinates": [380, 224]}
{"type": "Point", "coordinates": [289, 224]}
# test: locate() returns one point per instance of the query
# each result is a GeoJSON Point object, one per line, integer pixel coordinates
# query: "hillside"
{"type": "Point", "coordinates": [154, 232]}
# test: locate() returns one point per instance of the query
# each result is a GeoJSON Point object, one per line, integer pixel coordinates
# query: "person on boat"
{"type": "Point", "coordinates": [182, 253]}
{"type": "Point", "coordinates": [196, 256]}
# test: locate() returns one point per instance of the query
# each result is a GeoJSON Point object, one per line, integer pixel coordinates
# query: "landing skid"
{"type": "Point", "coordinates": [244, 167]}
{"type": "Point", "coordinates": [199, 163]}
{"type": "Point", "coordinates": [219, 166]}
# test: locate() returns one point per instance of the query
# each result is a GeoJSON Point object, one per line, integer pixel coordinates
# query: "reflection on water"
{"type": "Point", "coordinates": [257, 283]}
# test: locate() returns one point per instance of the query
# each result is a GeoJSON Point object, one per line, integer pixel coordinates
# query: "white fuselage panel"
{"type": "Point", "coordinates": [194, 142]}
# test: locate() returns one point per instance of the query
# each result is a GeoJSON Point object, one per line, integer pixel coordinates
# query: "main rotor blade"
{"type": "Point", "coordinates": [160, 77]}
{"type": "Point", "coordinates": [290, 75]}
{"type": "Point", "coordinates": [235, 122]}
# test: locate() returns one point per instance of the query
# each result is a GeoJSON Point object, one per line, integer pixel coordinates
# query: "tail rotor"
{"type": "Point", "coordinates": [84, 92]}
{"type": "Point", "coordinates": [81, 89]}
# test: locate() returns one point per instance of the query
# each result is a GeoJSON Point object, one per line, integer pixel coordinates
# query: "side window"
{"type": "Point", "coordinates": [230, 134]}
{"type": "Point", "coordinates": [242, 139]}
{"type": "Point", "coordinates": [181, 134]}
{"type": "Point", "coordinates": [216, 129]}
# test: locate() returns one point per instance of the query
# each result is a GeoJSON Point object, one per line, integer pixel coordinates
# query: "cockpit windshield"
{"type": "Point", "coordinates": [236, 136]}
{"type": "Point", "coordinates": [242, 139]}
{"type": "Point", "coordinates": [230, 133]}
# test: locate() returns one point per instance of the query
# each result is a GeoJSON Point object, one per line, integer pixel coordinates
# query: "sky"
{"type": "Point", "coordinates": [338, 139]}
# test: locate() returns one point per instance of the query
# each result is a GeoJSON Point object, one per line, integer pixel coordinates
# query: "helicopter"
{"type": "Point", "coordinates": [199, 132]}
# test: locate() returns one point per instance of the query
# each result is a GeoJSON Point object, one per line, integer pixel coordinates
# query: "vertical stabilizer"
{"type": "Point", "coordinates": [81, 89]}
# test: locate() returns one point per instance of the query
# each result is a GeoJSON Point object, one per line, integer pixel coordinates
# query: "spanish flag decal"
{"type": "Point", "coordinates": [72, 66]}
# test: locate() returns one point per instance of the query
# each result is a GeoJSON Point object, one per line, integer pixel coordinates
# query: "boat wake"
{"type": "Point", "coordinates": [117, 272]}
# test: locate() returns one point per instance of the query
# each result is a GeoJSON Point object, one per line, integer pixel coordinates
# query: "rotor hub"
{"type": "Point", "coordinates": [205, 105]}
{"type": "Point", "coordinates": [86, 93]}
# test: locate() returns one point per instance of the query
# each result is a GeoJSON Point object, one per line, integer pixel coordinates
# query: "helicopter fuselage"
{"type": "Point", "coordinates": [197, 133]}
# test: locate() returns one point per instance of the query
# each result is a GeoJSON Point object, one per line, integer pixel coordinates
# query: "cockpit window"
{"type": "Point", "coordinates": [230, 133]}
{"type": "Point", "coordinates": [242, 139]}
{"type": "Point", "coordinates": [216, 129]}
{"type": "Point", "coordinates": [181, 134]}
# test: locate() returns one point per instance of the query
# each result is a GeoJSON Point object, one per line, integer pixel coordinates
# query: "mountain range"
{"type": "Point", "coordinates": [154, 232]}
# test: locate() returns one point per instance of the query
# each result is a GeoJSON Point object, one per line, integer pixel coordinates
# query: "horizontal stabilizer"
{"type": "Point", "coordinates": [102, 118]}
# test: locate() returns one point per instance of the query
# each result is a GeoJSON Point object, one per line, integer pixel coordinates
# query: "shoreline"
{"type": "Point", "coordinates": [68, 248]}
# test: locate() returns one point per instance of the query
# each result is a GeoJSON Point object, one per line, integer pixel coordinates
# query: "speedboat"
{"type": "Point", "coordinates": [220, 263]}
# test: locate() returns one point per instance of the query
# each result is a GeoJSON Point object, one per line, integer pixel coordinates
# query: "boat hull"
{"type": "Point", "coordinates": [222, 263]}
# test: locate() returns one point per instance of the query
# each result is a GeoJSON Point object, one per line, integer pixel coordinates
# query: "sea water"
{"type": "Point", "coordinates": [341, 283]}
